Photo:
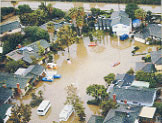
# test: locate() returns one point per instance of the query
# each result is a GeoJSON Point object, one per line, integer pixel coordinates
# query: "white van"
{"type": "Point", "coordinates": [43, 107]}
{"type": "Point", "coordinates": [66, 112]}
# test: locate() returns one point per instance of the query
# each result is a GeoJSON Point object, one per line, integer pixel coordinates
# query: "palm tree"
{"type": "Point", "coordinates": [66, 36]}
{"type": "Point", "coordinates": [73, 15]}
{"type": "Point", "coordinates": [80, 23]}
{"type": "Point", "coordinates": [50, 28]}
{"type": "Point", "coordinates": [49, 8]}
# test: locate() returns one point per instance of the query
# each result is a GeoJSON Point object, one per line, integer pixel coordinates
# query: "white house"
{"type": "Point", "coordinates": [121, 23]}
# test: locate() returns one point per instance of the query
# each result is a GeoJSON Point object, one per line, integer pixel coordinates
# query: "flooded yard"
{"type": "Point", "coordinates": [89, 66]}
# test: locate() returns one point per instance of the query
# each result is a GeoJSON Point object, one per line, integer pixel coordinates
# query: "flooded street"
{"type": "Point", "coordinates": [89, 66]}
{"type": "Point", "coordinates": [67, 5]}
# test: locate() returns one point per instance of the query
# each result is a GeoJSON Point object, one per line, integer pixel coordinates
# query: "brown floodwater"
{"type": "Point", "coordinates": [89, 66]}
{"type": "Point", "coordinates": [67, 5]}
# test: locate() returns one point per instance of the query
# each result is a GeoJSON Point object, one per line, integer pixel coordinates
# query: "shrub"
{"type": "Point", "coordinates": [93, 102]}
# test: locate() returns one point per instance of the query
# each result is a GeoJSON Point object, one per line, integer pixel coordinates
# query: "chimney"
{"type": "Point", "coordinates": [4, 85]}
{"type": "Point", "coordinates": [125, 101]}
{"type": "Point", "coordinates": [114, 97]}
{"type": "Point", "coordinates": [18, 88]}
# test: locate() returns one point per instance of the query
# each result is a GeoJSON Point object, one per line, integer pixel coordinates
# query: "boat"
{"type": "Point", "coordinates": [57, 76]}
{"type": "Point", "coordinates": [116, 64]}
{"type": "Point", "coordinates": [51, 65]}
{"type": "Point", "coordinates": [66, 112]}
{"type": "Point", "coordinates": [48, 79]}
{"type": "Point", "coordinates": [92, 44]}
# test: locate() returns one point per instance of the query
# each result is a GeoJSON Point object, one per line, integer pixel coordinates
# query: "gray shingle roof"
{"type": "Point", "coordinates": [12, 79]}
{"type": "Point", "coordinates": [3, 110]}
{"type": "Point", "coordinates": [156, 57]}
{"type": "Point", "coordinates": [5, 93]}
{"type": "Point", "coordinates": [133, 94]}
{"type": "Point", "coordinates": [120, 115]}
{"type": "Point", "coordinates": [119, 13]}
{"type": "Point", "coordinates": [9, 26]}
{"type": "Point", "coordinates": [146, 67]}
{"type": "Point", "coordinates": [95, 119]}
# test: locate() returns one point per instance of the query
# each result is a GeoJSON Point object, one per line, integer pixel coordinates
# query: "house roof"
{"type": "Point", "coordinates": [11, 80]}
{"type": "Point", "coordinates": [124, 79]}
{"type": "Point", "coordinates": [147, 112]}
{"type": "Point", "coordinates": [156, 57]}
{"type": "Point", "coordinates": [146, 67]}
{"type": "Point", "coordinates": [3, 110]}
{"type": "Point", "coordinates": [122, 114]}
{"type": "Point", "coordinates": [34, 70]}
{"type": "Point", "coordinates": [9, 27]}
{"type": "Point", "coordinates": [95, 119]}
{"type": "Point", "coordinates": [5, 93]}
{"type": "Point", "coordinates": [140, 84]}
{"type": "Point", "coordinates": [151, 30]}
{"type": "Point", "coordinates": [120, 17]}
{"type": "Point", "coordinates": [134, 94]}
{"type": "Point", "coordinates": [26, 52]}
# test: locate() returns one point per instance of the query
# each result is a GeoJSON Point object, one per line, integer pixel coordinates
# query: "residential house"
{"type": "Point", "coordinates": [146, 67]}
{"type": "Point", "coordinates": [34, 71]}
{"type": "Point", "coordinates": [147, 115]}
{"type": "Point", "coordinates": [123, 114]}
{"type": "Point", "coordinates": [133, 95]}
{"type": "Point", "coordinates": [32, 50]}
{"type": "Point", "coordinates": [5, 112]}
{"type": "Point", "coordinates": [17, 83]}
{"type": "Point", "coordinates": [121, 23]}
{"type": "Point", "coordinates": [156, 58]}
{"type": "Point", "coordinates": [9, 28]}
{"type": "Point", "coordinates": [5, 95]}
{"type": "Point", "coordinates": [153, 31]}
{"type": "Point", "coordinates": [122, 80]}
{"type": "Point", "coordinates": [103, 23]}
{"type": "Point", "coordinates": [95, 119]}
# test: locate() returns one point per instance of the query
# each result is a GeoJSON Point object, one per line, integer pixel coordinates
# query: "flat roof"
{"type": "Point", "coordinates": [147, 112]}
{"type": "Point", "coordinates": [140, 84]}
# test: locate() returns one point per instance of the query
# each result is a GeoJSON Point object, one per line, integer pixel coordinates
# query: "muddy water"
{"type": "Point", "coordinates": [67, 5]}
{"type": "Point", "coordinates": [89, 66]}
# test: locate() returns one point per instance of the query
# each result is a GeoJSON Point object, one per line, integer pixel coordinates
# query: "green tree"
{"type": "Point", "coordinates": [130, 71]}
{"type": "Point", "coordinates": [106, 106]}
{"type": "Point", "coordinates": [97, 91]}
{"type": "Point", "coordinates": [50, 28]}
{"type": "Point", "coordinates": [66, 36]}
{"type": "Point", "coordinates": [57, 13]}
{"type": "Point", "coordinates": [74, 100]}
{"type": "Point", "coordinates": [73, 15]}
{"type": "Point", "coordinates": [40, 92]}
{"type": "Point", "coordinates": [109, 78]}
{"type": "Point", "coordinates": [158, 105]}
{"type": "Point", "coordinates": [149, 17]}
{"type": "Point", "coordinates": [12, 66]}
{"type": "Point", "coordinates": [21, 114]}
{"type": "Point", "coordinates": [34, 33]}
{"type": "Point", "coordinates": [159, 78]}
{"type": "Point", "coordinates": [140, 14]}
{"type": "Point", "coordinates": [130, 9]}
{"type": "Point", "coordinates": [24, 9]}
{"type": "Point", "coordinates": [14, 3]}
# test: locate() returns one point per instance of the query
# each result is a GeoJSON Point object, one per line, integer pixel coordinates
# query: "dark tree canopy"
{"type": "Point", "coordinates": [130, 9]}
{"type": "Point", "coordinates": [24, 9]}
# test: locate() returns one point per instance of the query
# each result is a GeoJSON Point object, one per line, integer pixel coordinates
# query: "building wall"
{"type": "Point", "coordinates": [120, 29]}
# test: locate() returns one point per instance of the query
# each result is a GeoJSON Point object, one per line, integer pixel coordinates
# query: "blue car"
{"type": "Point", "coordinates": [47, 79]}
{"type": "Point", "coordinates": [57, 76]}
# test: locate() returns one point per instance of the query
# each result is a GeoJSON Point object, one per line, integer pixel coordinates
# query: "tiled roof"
{"type": "Point", "coordinates": [9, 26]}
{"type": "Point", "coordinates": [122, 114]}
{"type": "Point", "coordinates": [5, 93]}
{"type": "Point", "coordinates": [146, 67]}
{"type": "Point", "coordinates": [95, 119]}
{"type": "Point", "coordinates": [12, 79]}
{"type": "Point", "coordinates": [3, 110]}
{"type": "Point", "coordinates": [133, 94]}
{"type": "Point", "coordinates": [156, 57]}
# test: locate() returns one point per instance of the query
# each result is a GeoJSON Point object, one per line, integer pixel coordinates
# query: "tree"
{"type": "Point", "coordinates": [41, 50]}
{"type": "Point", "coordinates": [140, 14]}
{"type": "Point", "coordinates": [49, 8]}
{"type": "Point", "coordinates": [130, 71]}
{"type": "Point", "coordinates": [73, 15]}
{"type": "Point", "coordinates": [106, 106]}
{"type": "Point", "coordinates": [130, 9]}
{"type": "Point", "coordinates": [50, 27]}
{"type": "Point", "coordinates": [149, 17]}
{"type": "Point", "coordinates": [66, 36]}
{"type": "Point", "coordinates": [109, 78]}
{"type": "Point", "coordinates": [158, 105]}
{"type": "Point", "coordinates": [57, 13]}
{"type": "Point", "coordinates": [34, 33]}
{"type": "Point", "coordinates": [159, 78]}
{"type": "Point", "coordinates": [97, 91]}
{"type": "Point", "coordinates": [12, 66]}
{"type": "Point", "coordinates": [21, 114]}
{"type": "Point", "coordinates": [40, 92]}
{"type": "Point", "coordinates": [74, 100]}
{"type": "Point", "coordinates": [14, 3]}
{"type": "Point", "coordinates": [80, 23]}
{"type": "Point", "coordinates": [24, 9]}
{"type": "Point", "coordinates": [95, 11]}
